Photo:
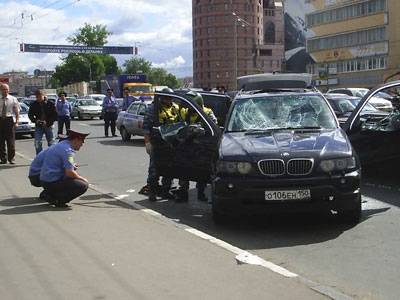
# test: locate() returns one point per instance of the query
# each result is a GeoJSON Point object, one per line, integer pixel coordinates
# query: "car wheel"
{"type": "Point", "coordinates": [218, 217]}
{"type": "Point", "coordinates": [352, 216]}
{"type": "Point", "coordinates": [125, 135]}
{"type": "Point", "coordinates": [79, 116]}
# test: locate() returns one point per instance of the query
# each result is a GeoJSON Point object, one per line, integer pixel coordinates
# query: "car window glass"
{"type": "Point", "coordinates": [142, 109]}
{"type": "Point", "coordinates": [287, 111]}
{"type": "Point", "coordinates": [133, 108]}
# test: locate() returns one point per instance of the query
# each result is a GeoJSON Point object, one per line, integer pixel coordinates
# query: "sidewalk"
{"type": "Point", "coordinates": [101, 248]}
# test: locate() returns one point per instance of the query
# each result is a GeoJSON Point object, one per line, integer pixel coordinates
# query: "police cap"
{"type": "Point", "coordinates": [76, 133]}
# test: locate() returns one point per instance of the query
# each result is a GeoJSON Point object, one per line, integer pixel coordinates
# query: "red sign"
{"type": "Point", "coordinates": [4, 79]}
{"type": "Point", "coordinates": [21, 47]}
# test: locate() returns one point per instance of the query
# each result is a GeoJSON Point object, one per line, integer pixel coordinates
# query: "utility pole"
{"type": "Point", "coordinates": [235, 52]}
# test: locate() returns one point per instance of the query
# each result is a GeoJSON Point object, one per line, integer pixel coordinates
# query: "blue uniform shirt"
{"type": "Point", "coordinates": [37, 163]}
{"type": "Point", "coordinates": [127, 101]}
{"type": "Point", "coordinates": [63, 108]}
{"type": "Point", "coordinates": [58, 158]}
{"type": "Point", "coordinates": [107, 102]}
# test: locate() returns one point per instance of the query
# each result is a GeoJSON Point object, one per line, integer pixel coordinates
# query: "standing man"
{"type": "Point", "coordinates": [168, 113]}
{"type": "Point", "coordinates": [128, 99]}
{"type": "Point", "coordinates": [9, 108]}
{"type": "Point", "coordinates": [190, 116]}
{"type": "Point", "coordinates": [58, 175]}
{"type": "Point", "coordinates": [64, 109]}
{"type": "Point", "coordinates": [43, 113]}
{"type": "Point", "coordinates": [110, 105]}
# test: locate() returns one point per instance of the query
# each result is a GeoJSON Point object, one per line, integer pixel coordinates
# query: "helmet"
{"type": "Point", "coordinates": [168, 90]}
{"type": "Point", "coordinates": [196, 97]}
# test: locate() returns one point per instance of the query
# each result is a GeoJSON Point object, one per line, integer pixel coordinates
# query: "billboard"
{"type": "Point", "coordinates": [296, 34]}
{"type": "Point", "coordinates": [38, 48]}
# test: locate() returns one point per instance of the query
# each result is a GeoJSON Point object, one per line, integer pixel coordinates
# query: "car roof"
{"type": "Point", "coordinates": [340, 96]}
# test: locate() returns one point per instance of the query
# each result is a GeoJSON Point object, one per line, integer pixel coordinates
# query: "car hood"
{"type": "Point", "coordinates": [24, 118]}
{"type": "Point", "coordinates": [90, 107]}
{"type": "Point", "coordinates": [291, 143]}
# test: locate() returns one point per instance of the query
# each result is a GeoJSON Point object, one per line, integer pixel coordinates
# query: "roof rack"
{"type": "Point", "coordinates": [275, 81]}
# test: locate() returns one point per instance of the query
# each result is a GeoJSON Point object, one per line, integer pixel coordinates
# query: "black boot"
{"type": "Point", "coordinates": [152, 193]}
{"type": "Point", "coordinates": [201, 196]}
{"type": "Point", "coordinates": [166, 194]}
{"type": "Point", "coordinates": [183, 196]}
{"type": "Point", "coordinates": [42, 195]}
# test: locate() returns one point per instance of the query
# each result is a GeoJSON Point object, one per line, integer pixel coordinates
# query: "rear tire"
{"type": "Point", "coordinates": [125, 135]}
{"type": "Point", "coordinates": [79, 116]}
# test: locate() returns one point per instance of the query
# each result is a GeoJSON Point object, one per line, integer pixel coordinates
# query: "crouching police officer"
{"type": "Point", "coordinates": [58, 175]}
{"type": "Point", "coordinates": [168, 113]}
{"type": "Point", "coordinates": [36, 167]}
{"type": "Point", "coordinates": [190, 116]}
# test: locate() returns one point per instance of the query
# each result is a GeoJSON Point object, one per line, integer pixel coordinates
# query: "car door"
{"type": "Point", "coordinates": [374, 141]}
{"type": "Point", "coordinates": [130, 118]}
{"type": "Point", "coordinates": [193, 157]}
{"type": "Point", "coordinates": [139, 118]}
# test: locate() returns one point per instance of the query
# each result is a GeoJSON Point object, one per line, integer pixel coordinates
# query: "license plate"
{"type": "Point", "coordinates": [22, 127]}
{"type": "Point", "coordinates": [287, 195]}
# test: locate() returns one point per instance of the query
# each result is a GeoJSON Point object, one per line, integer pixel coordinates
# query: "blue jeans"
{"type": "Point", "coordinates": [39, 131]}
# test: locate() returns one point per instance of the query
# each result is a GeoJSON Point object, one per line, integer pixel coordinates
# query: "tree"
{"type": "Point", "coordinates": [86, 67]}
{"type": "Point", "coordinates": [90, 36]}
{"type": "Point", "coordinates": [137, 65]}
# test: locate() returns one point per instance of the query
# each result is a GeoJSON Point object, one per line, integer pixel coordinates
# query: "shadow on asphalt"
{"type": "Point", "coordinates": [257, 232]}
{"type": "Point", "coordinates": [117, 141]}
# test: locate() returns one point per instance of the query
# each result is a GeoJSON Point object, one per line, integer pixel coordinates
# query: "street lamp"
{"type": "Point", "coordinates": [235, 37]}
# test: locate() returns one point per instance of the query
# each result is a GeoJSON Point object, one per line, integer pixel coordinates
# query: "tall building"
{"type": "Point", "coordinates": [235, 38]}
{"type": "Point", "coordinates": [354, 43]}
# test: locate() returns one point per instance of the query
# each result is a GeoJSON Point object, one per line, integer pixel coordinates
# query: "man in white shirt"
{"type": "Point", "coordinates": [9, 112]}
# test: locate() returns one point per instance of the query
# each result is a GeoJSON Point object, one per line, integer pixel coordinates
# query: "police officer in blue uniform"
{"type": "Point", "coordinates": [110, 106]}
{"type": "Point", "coordinates": [36, 167]}
{"type": "Point", "coordinates": [58, 175]}
{"type": "Point", "coordinates": [128, 99]}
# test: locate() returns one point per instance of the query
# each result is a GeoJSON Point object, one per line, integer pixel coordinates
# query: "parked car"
{"type": "Point", "coordinates": [130, 122]}
{"type": "Point", "coordinates": [282, 150]}
{"type": "Point", "coordinates": [343, 105]}
{"type": "Point", "coordinates": [378, 101]}
{"type": "Point", "coordinates": [25, 126]}
{"type": "Point", "coordinates": [86, 108]}
{"type": "Point", "coordinates": [98, 97]}
{"type": "Point", "coordinates": [27, 101]}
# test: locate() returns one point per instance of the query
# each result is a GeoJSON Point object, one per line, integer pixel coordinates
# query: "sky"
{"type": "Point", "coordinates": [161, 29]}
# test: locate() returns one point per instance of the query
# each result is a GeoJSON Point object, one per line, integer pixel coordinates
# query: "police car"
{"type": "Point", "coordinates": [25, 125]}
{"type": "Point", "coordinates": [281, 150]}
{"type": "Point", "coordinates": [130, 122]}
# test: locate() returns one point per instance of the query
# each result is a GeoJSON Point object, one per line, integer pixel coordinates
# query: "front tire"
{"type": "Point", "coordinates": [352, 216]}
{"type": "Point", "coordinates": [125, 135]}
{"type": "Point", "coordinates": [218, 217]}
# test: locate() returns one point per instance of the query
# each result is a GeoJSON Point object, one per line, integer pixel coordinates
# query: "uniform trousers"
{"type": "Point", "coordinates": [35, 180]}
{"type": "Point", "coordinates": [61, 121]}
{"type": "Point", "coordinates": [152, 178]}
{"type": "Point", "coordinates": [7, 135]}
{"type": "Point", "coordinates": [109, 118]}
{"type": "Point", "coordinates": [65, 190]}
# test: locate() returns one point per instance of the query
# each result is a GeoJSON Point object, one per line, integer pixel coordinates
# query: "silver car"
{"type": "Point", "coordinates": [130, 121]}
{"type": "Point", "coordinates": [25, 125]}
{"type": "Point", "coordinates": [86, 108]}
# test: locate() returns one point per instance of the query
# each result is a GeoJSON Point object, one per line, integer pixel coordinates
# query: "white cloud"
{"type": "Point", "coordinates": [161, 29]}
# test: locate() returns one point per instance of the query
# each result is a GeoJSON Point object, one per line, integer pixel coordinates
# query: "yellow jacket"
{"type": "Point", "coordinates": [168, 115]}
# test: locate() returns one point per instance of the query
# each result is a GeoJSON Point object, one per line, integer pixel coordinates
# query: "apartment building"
{"type": "Point", "coordinates": [235, 38]}
{"type": "Point", "coordinates": [355, 43]}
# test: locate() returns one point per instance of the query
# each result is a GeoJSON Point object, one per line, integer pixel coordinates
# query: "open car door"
{"type": "Point", "coordinates": [185, 151]}
{"type": "Point", "coordinates": [375, 139]}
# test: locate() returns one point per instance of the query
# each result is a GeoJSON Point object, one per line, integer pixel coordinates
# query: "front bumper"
{"type": "Point", "coordinates": [246, 196]}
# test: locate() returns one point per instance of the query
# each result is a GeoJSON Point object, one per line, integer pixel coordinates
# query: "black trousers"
{"type": "Point", "coordinates": [7, 135]}
{"type": "Point", "coordinates": [61, 121]}
{"type": "Point", "coordinates": [109, 117]}
{"type": "Point", "coordinates": [65, 190]}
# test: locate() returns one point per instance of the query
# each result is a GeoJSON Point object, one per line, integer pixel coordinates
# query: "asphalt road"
{"type": "Point", "coordinates": [360, 261]}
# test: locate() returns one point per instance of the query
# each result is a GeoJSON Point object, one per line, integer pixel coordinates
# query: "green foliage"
{"type": "Point", "coordinates": [90, 36]}
{"type": "Point", "coordinates": [137, 65]}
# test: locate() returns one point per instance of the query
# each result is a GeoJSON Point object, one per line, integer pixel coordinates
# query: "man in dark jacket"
{"type": "Point", "coordinates": [43, 113]}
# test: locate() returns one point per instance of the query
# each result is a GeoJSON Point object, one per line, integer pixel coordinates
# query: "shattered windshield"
{"type": "Point", "coordinates": [281, 112]}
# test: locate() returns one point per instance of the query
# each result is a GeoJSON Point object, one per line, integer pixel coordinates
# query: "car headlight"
{"type": "Point", "coordinates": [339, 164]}
{"type": "Point", "coordinates": [232, 167]}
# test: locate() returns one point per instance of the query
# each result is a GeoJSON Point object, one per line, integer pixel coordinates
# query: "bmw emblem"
{"type": "Point", "coordinates": [285, 154]}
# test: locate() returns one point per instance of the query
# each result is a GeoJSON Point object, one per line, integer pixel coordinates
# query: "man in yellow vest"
{"type": "Point", "coordinates": [190, 116]}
